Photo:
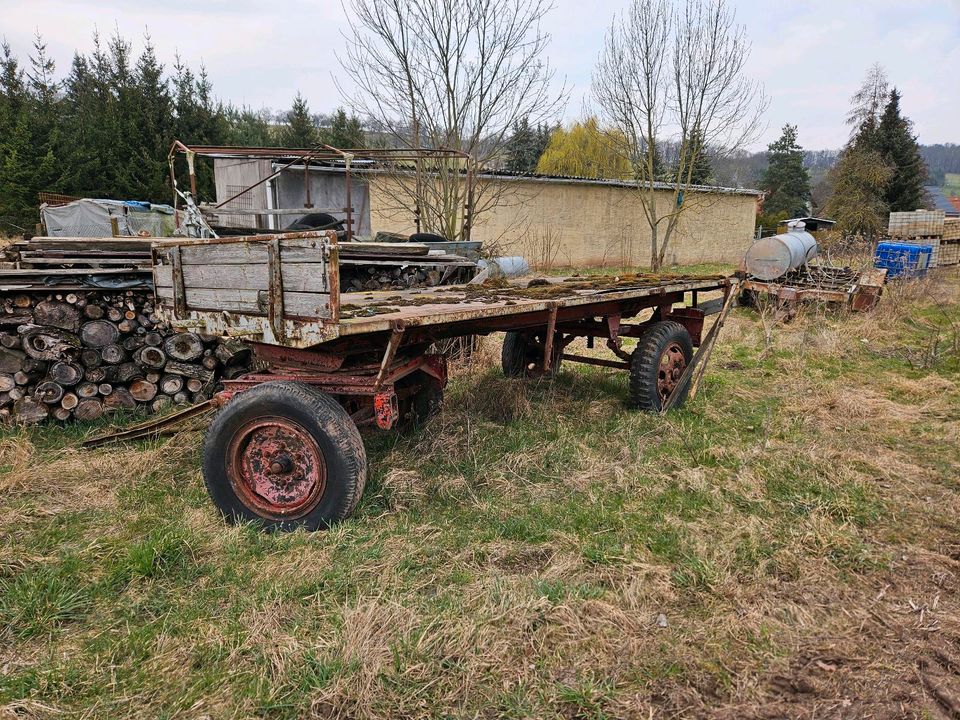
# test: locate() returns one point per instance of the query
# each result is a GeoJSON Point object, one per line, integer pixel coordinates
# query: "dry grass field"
{"type": "Point", "coordinates": [787, 545]}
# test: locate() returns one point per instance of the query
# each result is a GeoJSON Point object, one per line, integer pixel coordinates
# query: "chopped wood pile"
{"type": "Point", "coordinates": [78, 355]}
{"type": "Point", "coordinates": [399, 266]}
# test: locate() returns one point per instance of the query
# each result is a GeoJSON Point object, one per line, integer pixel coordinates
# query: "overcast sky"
{"type": "Point", "coordinates": [809, 56]}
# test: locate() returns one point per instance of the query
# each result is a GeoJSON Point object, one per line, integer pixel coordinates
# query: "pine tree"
{"type": "Point", "coordinates": [857, 202]}
{"type": "Point", "coordinates": [152, 134]}
{"type": "Point", "coordinates": [37, 140]}
{"type": "Point", "coordinates": [786, 181]}
{"type": "Point", "coordinates": [862, 174]}
{"type": "Point", "coordinates": [866, 105]}
{"type": "Point", "coordinates": [518, 147]}
{"type": "Point", "coordinates": [248, 127]}
{"type": "Point", "coordinates": [898, 145]}
{"type": "Point", "coordinates": [701, 172]}
{"type": "Point", "coordinates": [345, 131]}
{"type": "Point", "coordinates": [299, 130]}
{"type": "Point", "coordinates": [13, 141]}
{"type": "Point", "coordinates": [12, 90]}
{"type": "Point", "coordinates": [526, 145]}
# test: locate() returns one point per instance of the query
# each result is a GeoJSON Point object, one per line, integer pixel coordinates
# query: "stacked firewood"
{"type": "Point", "coordinates": [376, 278]}
{"type": "Point", "coordinates": [81, 354]}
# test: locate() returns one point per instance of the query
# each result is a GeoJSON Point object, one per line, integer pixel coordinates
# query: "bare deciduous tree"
{"type": "Point", "coordinates": [671, 80]}
{"type": "Point", "coordinates": [452, 74]}
{"type": "Point", "coordinates": [869, 100]}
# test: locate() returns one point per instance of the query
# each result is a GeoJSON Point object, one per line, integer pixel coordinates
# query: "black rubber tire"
{"type": "Point", "coordinates": [747, 299]}
{"type": "Point", "coordinates": [519, 353]}
{"type": "Point", "coordinates": [315, 221]}
{"type": "Point", "coordinates": [645, 364]}
{"type": "Point", "coordinates": [425, 237]}
{"type": "Point", "coordinates": [323, 418]}
{"type": "Point", "coordinates": [427, 402]}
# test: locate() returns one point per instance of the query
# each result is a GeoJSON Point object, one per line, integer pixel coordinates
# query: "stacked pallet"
{"type": "Point", "coordinates": [951, 229]}
{"type": "Point", "coordinates": [82, 354]}
{"type": "Point", "coordinates": [74, 263]}
{"type": "Point", "coordinates": [916, 224]}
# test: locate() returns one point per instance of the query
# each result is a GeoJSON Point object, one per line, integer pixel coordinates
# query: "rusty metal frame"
{"type": "Point", "coordinates": [321, 153]}
{"type": "Point", "coordinates": [819, 283]}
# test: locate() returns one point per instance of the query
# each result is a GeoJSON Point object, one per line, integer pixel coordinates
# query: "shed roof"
{"type": "Point", "coordinates": [821, 221]}
{"type": "Point", "coordinates": [366, 166]}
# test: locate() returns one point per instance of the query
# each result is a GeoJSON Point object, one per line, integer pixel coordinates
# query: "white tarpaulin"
{"type": "Point", "coordinates": [92, 218]}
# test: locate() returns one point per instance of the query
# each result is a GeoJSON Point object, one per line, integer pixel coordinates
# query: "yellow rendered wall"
{"type": "Point", "coordinates": [578, 224]}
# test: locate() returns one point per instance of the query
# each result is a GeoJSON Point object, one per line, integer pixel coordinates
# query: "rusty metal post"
{"type": "Point", "coordinates": [348, 158]}
{"type": "Point", "coordinates": [392, 344]}
{"type": "Point", "coordinates": [468, 210]}
{"type": "Point", "coordinates": [192, 169]}
{"type": "Point", "coordinates": [308, 203]}
{"type": "Point", "coordinates": [173, 179]}
{"type": "Point", "coordinates": [548, 340]}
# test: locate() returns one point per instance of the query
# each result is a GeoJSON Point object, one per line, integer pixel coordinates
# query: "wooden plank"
{"type": "Point", "coordinates": [80, 252]}
{"type": "Point", "coordinates": [249, 302]}
{"type": "Point", "coordinates": [129, 262]}
{"type": "Point", "coordinates": [306, 250]}
{"type": "Point", "coordinates": [407, 262]}
{"type": "Point", "coordinates": [72, 271]}
{"type": "Point", "coordinates": [297, 277]}
{"type": "Point", "coordinates": [275, 293]}
{"type": "Point", "coordinates": [178, 286]}
{"type": "Point", "coordinates": [374, 248]}
{"type": "Point", "coordinates": [133, 243]}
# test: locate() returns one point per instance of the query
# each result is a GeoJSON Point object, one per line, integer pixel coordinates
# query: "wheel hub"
{"type": "Point", "coordinates": [672, 365]}
{"type": "Point", "coordinates": [276, 467]}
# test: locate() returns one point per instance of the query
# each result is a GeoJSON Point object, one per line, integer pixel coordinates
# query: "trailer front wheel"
{"type": "Point", "coordinates": [286, 455]}
{"type": "Point", "coordinates": [657, 364]}
{"type": "Point", "coordinates": [522, 355]}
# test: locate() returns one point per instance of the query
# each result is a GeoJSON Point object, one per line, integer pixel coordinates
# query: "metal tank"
{"type": "Point", "coordinates": [773, 257]}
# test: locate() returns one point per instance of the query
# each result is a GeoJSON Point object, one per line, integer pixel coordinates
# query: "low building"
{"type": "Point", "coordinates": [810, 224]}
{"type": "Point", "coordinates": [579, 222]}
{"type": "Point", "coordinates": [552, 221]}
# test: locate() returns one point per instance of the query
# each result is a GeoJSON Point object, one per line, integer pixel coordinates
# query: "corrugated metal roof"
{"type": "Point", "coordinates": [941, 201]}
{"type": "Point", "coordinates": [527, 177]}
{"type": "Point", "coordinates": [616, 183]}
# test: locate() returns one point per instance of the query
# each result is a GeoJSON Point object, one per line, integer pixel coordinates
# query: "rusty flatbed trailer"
{"type": "Point", "coordinates": [285, 449]}
{"type": "Point", "coordinates": [842, 286]}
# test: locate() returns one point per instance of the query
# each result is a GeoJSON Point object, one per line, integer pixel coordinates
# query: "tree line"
{"type": "Point", "coordinates": [104, 128]}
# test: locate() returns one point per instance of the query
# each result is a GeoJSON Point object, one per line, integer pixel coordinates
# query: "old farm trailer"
{"type": "Point", "coordinates": [284, 448]}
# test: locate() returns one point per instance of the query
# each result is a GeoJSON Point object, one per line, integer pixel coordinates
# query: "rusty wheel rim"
{"type": "Point", "coordinates": [672, 364]}
{"type": "Point", "coordinates": [276, 468]}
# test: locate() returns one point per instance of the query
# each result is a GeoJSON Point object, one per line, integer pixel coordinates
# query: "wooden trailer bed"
{"type": "Point", "coordinates": [284, 450]}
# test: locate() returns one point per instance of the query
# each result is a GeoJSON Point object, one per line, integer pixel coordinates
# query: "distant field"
{"type": "Point", "coordinates": [951, 184]}
{"type": "Point", "coordinates": [785, 546]}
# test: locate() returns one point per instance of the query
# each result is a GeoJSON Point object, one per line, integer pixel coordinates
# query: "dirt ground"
{"type": "Point", "coordinates": [785, 546]}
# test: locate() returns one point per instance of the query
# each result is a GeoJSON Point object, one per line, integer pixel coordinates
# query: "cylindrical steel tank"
{"type": "Point", "coordinates": [773, 257]}
{"type": "Point", "coordinates": [508, 266]}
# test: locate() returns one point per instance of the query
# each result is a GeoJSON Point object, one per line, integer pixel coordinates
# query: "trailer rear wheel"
{"type": "Point", "coordinates": [657, 364]}
{"type": "Point", "coordinates": [286, 455]}
{"type": "Point", "coordinates": [522, 356]}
